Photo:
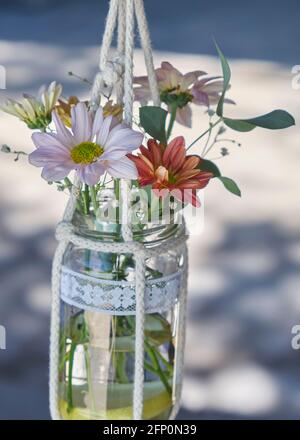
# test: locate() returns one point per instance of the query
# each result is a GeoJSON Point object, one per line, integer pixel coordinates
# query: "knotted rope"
{"type": "Point", "coordinates": [121, 13]}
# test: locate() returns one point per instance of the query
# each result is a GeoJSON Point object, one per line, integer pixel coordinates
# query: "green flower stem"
{"type": "Point", "coordinates": [121, 367]}
{"type": "Point", "coordinates": [165, 362]}
{"type": "Point", "coordinates": [63, 362]}
{"type": "Point", "coordinates": [207, 148]}
{"type": "Point", "coordinates": [86, 199]}
{"type": "Point", "coordinates": [153, 356]}
{"type": "Point", "coordinates": [204, 133]}
{"type": "Point", "coordinates": [68, 183]}
{"type": "Point", "coordinates": [117, 194]}
{"type": "Point", "coordinates": [172, 120]}
{"type": "Point", "coordinates": [149, 367]}
{"type": "Point", "coordinates": [94, 198]}
{"type": "Point", "coordinates": [70, 374]}
{"type": "Point", "coordinates": [208, 138]}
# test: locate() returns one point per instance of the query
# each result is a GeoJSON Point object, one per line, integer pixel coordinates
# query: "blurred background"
{"type": "Point", "coordinates": [245, 266]}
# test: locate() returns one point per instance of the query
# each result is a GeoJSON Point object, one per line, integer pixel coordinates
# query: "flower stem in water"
{"type": "Point", "coordinates": [70, 374]}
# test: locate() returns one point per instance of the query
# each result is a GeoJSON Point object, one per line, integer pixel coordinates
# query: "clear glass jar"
{"type": "Point", "coordinates": [97, 336]}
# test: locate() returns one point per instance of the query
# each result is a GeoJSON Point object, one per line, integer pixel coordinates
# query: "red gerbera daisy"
{"type": "Point", "coordinates": [169, 170]}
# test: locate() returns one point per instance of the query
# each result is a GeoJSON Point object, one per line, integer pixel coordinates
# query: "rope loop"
{"type": "Point", "coordinates": [64, 231]}
{"type": "Point", "coordinates": [107, 79]}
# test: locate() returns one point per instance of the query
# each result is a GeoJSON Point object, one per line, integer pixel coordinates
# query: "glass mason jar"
{"type": "Point", "coordinates": [97, 334]}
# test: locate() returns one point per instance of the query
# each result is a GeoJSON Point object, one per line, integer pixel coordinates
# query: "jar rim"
{"type": "Point", "coordinates": [90, 226]}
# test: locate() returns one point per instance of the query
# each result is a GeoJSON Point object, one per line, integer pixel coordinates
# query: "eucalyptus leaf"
{"type": "Point", "coordinates": [208, 165]}
{"type": "Point", "coordinates": [238, 124]}
{"type": "Point", "coordinates": [230, 185]}
{"type": "Point", "coordinates": [275, 120]}
{"type": "Point", "coordinates": [153, 121]}
{"type": "Point", "coordinates": [226, 80]}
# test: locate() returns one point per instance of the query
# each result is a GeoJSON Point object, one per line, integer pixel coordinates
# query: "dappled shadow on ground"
{"type": "Point", "coordinates": [241, 365]}
{"type": "Point", "coordinates": [24, 311]}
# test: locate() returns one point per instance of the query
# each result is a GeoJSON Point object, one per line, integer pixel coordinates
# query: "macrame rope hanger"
{"type": "Point", "coordinates": [122, 15]}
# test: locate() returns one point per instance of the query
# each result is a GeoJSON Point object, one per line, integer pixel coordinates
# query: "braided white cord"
{"type": "Point", "coordinates": [146, 46]}
{"type": "Point", "coordinates": [108, 33]}
{"type": "Point", "coordinates": [138, 393]}
{"type": "Point", "coordinates": [121, 27]}
{"type": "Point", "coordinates": [55, 307]}
{"type": "Point", "coordinates": [104, 52]}
{"type": "Point", "coordinates": [125, 210]}
{"type": "Point", "coordinates": [121, 47]}
{"type": "Point", "coordinates": [128, 78]}
{"type": "Point", "coordinates": [54, 331]}
{"type": "Point", "coordinates": [138, 390]}
{"type": "Point", "coordinates": [128, 104]}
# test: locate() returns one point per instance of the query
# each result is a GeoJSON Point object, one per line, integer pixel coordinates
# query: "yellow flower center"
{"type": "Point", "coordinates": [86, 152]}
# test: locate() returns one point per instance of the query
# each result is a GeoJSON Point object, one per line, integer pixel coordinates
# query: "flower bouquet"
{"type": "Point", "coordinates": [88, 150]}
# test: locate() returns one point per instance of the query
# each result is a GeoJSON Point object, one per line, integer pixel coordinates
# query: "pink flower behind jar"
{"type": "Point", "coordinates": [180, 90]}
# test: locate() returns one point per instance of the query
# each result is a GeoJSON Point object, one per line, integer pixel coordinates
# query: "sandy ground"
{"type": "Point", "coordinates": [244, 278]}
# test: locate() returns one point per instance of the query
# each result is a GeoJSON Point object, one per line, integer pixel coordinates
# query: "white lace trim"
{"type": "Point", "coordinates": [118, 297]}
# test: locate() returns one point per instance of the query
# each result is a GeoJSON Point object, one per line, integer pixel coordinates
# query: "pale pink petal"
{"type": "Point", "coordinates": [184, 116]}
{"type": "Point", "coordinates": [125, 138]}
{"type": "Point", "coordinates": [63, 134]}
{"type": "Point", "coordinates": [142, 80]}
{"type": "Point", "coordinates": [81, 123]}
{"type": "Point", "coordinates": [165, 65]}
{"type": "Point", "coordinates": [142, 94]}
{"type": "Point", "coordinates": [55, 172]}
{"type": "Point", "coordinates": [213, 98]}
{"type": "Point", "coordinates": [161, 74]}
{"type": "Point", "coordinates": [44, 155]}
{"type": "Point", "coordinates": [214, 86]}
{"type": "Point", "coordinates": [201, 82]}
{"type": "Point", "coordinates": [104, 131]}
{"type": "Point", "coordinates": [113, 154]}
{"type": "Point", "coordinates": [200, 97]}
{"type": "Point", "coordinates": [90, 174]}
{"type": "Point", "coordinates": [48, 140]}
{"type": "Point", "coordinates": [174, 77]}
{"type": "Point", "coordinates": [122, 169]}
{"type": "Point", "coordinates": [98, 121]}
{"type": "Point", "coordinates": [190, 78]}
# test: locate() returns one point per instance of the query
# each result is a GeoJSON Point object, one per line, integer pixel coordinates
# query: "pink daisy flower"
{"type": "Point", "coordinates": [170, 82]}
{"type": "Point", "coordinates": [193, 87]}
{"type": "Point", "coordinates": [91, 147]}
